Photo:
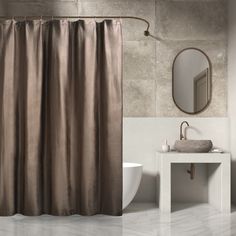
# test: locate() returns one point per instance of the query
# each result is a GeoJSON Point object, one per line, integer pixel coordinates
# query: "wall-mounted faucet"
{"type": "Point", "coordinates": [183, 136]}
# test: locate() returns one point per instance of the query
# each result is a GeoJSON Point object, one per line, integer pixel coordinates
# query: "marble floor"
{"type": "Point", "coordinates": [139, 219]}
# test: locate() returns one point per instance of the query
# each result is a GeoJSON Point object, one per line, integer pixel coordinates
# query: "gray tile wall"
{"type": "Point", "coordinates": [148, 63]}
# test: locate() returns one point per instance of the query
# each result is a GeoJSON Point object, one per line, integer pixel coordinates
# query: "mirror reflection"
{"type": "Point", "coordinates": [191, 81]}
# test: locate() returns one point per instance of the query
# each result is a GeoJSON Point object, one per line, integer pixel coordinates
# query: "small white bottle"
{"type": "Point", "coordinates": [165, 146]}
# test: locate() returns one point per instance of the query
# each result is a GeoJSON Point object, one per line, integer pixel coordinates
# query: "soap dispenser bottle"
{"type": "Point", "coordinates": [165, 146]}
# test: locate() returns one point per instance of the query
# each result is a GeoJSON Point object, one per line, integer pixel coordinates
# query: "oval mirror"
{"type": "Point", "coordinates": [191, 80]}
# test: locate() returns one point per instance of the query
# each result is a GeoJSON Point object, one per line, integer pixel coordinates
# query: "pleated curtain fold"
{"type": "Point", "coordinates": [60, 117]}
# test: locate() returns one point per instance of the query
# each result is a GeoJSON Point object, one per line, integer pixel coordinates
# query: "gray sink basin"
{"type": "Point", "coordinates": [190, 146]}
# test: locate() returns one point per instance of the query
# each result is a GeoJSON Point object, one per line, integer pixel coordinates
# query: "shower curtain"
{"type": "Point", "coordinates": [60, 117]}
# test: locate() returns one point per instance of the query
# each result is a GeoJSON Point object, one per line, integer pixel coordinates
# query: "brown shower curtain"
{"type": "Point", "coordinates": [60, 117]}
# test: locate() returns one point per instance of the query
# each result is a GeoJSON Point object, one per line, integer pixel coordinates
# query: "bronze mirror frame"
{"type": "Point", "coordinates": [210, 83]}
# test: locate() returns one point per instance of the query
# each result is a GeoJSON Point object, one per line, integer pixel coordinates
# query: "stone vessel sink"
{"type": "Point", "coordinates": [196, 146]}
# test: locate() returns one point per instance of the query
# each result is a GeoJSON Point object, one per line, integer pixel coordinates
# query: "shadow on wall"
{"type": "Point", "coordinates": [150, 184]}
{"type": "Point", "coordinates": [147, 185]}
{"type": "Point", "coordinates": [181, 183]}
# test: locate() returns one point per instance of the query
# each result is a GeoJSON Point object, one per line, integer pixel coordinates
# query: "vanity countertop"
{"type": "Point", "coordinates": [179, 157]}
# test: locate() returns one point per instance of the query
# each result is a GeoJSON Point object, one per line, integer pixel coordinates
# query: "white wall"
{"type": "Point", "coordinates": [232, 89]}
{"type": "Point", "coordinates": [144, 136]}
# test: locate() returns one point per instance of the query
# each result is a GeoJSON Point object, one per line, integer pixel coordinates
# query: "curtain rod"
{"type": "Point", "coordinates": [146, 32]}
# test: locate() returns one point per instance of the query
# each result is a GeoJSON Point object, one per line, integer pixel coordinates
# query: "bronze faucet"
{"type": "Point", "coordinates": [181, 131]}
{"type": "Point", "coordinates": [191, 171]}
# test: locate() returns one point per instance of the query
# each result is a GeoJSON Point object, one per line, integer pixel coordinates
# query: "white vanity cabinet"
{"type": "Point", "coordinates": [219, 177]}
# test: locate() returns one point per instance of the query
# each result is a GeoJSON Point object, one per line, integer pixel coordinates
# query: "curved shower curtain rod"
{"type": "Point", "coordinates": [146, 32]}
